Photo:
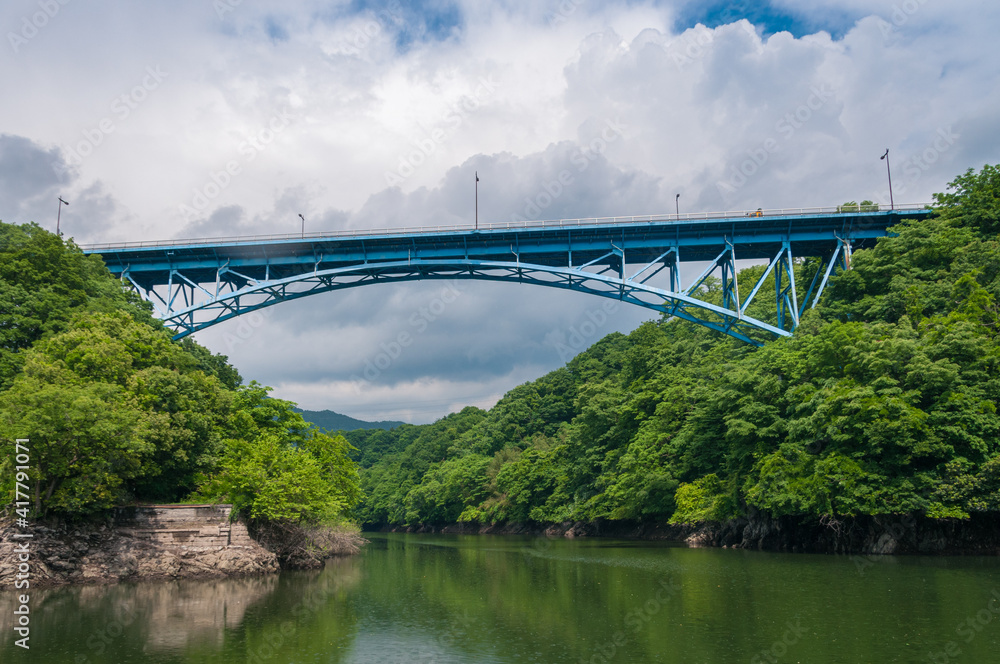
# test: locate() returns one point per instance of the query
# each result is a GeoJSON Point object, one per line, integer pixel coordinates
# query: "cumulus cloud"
{"type": "Point", "coordinates": [361, 115]}
{"type": "Point", "coordinates": [31, 177]}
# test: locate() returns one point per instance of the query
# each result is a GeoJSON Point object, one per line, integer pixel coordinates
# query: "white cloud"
{"type": "Point", "coordinates": [565, 108]}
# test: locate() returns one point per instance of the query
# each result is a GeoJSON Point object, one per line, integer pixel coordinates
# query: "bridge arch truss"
{"type": "Point", "coordinates": [196, 284]}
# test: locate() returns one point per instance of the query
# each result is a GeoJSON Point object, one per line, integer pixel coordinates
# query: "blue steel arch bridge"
{"type": "Point", "coordinates": [194, 284]}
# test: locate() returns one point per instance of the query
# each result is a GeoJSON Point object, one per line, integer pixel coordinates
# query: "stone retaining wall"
{"type": "Point", "coordinates": [147, 542]}
{"type": "Point", "coordinates": [183, 527]}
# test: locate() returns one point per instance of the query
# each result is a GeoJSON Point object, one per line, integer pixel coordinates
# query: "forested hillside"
{"type": "Point", "coordinates": [883, 402]}
{"type": "Point", "coordinates": [116, 412]}
{"type": "Point", "coordinates": [328, 420]}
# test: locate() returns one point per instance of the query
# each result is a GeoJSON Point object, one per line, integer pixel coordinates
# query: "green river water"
{"type": "Point", "coordinates": [451, 599]}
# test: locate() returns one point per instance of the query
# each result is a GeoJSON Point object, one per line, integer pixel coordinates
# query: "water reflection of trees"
{"type": "Point", "coordinates": [308, 615]}
{"type": "Point", "coordinates": [564, 601]}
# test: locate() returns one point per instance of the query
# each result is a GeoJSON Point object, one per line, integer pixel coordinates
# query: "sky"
{"type": "Point", "coordinates": [185, 119]}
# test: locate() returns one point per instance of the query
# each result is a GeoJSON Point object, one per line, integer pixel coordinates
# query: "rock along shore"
{"type": "Point", "coordinates": [867, 535]}
{"type": "Point", "coordinates": [139, 543]}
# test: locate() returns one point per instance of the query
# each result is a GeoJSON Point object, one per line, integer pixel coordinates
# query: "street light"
{"type": "Point", "coordinates": [892, 205]}
{"type": "Point", "coordinates": [477, 200]}
{"type": "Point", "coordinates": [677, 206]}
{"type": "Point", "coordinates": [59, 216]}
{"type": "Point", "coordinates": [303, 225]}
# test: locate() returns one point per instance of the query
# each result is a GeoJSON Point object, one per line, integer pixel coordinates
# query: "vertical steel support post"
{"type": "Point", "coordinates": [793, 304]}
{"type": "Point", "coordinates": [675, 272]}
{"type": "Point", "coordinates": [777, 291]}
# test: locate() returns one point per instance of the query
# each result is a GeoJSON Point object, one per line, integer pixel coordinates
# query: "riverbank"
{"type": "Point", "coordinates": [866, 535]}
{"type": "Point", "coordinates": [166, 542]}
{"type": "Point", "coordinates": [147, 543]}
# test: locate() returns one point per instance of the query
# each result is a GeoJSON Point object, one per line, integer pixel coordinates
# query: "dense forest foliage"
{"type": "Point", "coordinates": [883, 402]}
{"type": "Point", "coordinates": [117, 412]}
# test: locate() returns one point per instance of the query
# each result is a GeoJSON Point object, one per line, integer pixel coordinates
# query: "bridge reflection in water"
{"type": "Point", "coordinates": [194, 284]}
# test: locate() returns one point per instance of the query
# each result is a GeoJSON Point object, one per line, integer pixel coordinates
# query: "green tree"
{"type": "Point", "coordinates": [115, 412]}
{"type": "Point", "coordinates": [86, 441]}
{"type": "Point", "coordinates": [885, 401]}
{"type": "Point", "coordinates": [45, 284]}
{"type": "Point", "coordinates": [277, 469]}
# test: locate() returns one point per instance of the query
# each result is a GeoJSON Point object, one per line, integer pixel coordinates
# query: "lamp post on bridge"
{"type": "Point", "coordinates": [892, 205]}
{"type": "Point", "coordinates": [59, 216]}
{"type": "Point", "coordinates": [677, 206]}
{"type": "Point", "coordinates": [303, 225]}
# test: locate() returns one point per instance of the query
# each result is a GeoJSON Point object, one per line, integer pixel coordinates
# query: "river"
{"type": "Point", "coordinates": [492, 599]}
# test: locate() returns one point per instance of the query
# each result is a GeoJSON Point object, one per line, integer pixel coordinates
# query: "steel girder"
{"type": "Point", "coordinates": [196, 284]}
{"type": "Point", "coordinates": [188, 306]}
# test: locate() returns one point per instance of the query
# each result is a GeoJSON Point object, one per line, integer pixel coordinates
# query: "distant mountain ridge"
{"type": "Point", "coordinates": [331, 421]}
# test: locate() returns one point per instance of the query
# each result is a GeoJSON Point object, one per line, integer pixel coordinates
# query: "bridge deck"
{"type": "Point", "coordinates": [224, 277]}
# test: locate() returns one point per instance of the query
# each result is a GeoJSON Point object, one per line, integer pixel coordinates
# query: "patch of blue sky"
{"type": "Point", "coordinates": [412, 21]}
{"type": "Point", "coordinates": [768, 17]}
{"type": "Point", "coordinates": [275, 30]}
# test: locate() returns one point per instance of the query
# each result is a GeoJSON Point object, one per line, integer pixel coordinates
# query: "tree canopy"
{"type": "Point", "coordinates": [883, 402]}
{"type": "Point", "coordinates": [117, 412]}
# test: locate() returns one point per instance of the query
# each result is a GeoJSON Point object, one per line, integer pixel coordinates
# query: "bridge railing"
{"type": "Point", "coordinates": [687, 217]}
